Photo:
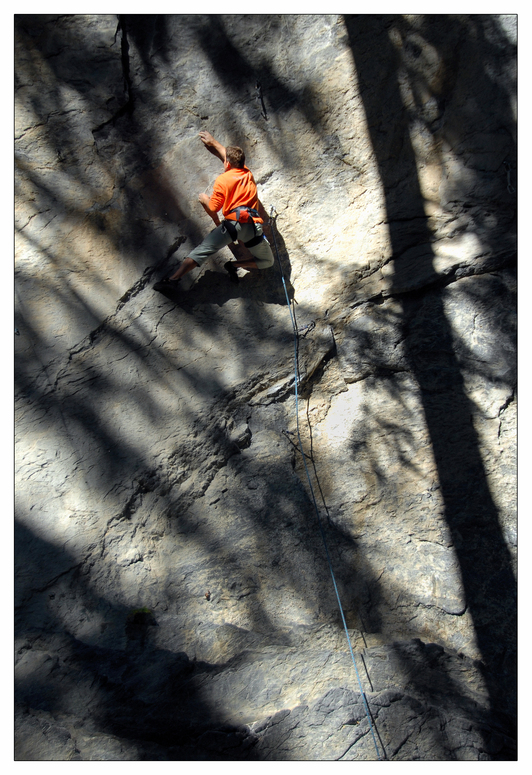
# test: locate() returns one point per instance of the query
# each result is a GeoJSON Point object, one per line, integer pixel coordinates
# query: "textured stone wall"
{"type": "Point", "coordinates": [174, 597]}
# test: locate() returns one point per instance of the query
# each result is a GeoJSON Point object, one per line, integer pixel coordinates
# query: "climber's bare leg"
{"type": "Point", "coordinates": [184, 268]}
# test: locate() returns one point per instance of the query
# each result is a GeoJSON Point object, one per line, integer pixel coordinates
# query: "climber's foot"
{"type": "Point", "coordinates": [230, 267]}
{"type": "Point", "coordinates": [165, 285]}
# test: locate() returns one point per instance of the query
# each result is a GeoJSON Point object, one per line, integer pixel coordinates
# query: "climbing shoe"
{"type": "Point", "coordinates": [230, 267]}
{"type": "Point", "coordinates": [165, 285]}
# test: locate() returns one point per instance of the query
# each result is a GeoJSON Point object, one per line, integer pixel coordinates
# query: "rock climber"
{"type": "Point", "coordinates": [235, 193]}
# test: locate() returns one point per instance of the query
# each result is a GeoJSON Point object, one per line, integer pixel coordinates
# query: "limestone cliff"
{"type": "Point", "coordinates": [174, 596]}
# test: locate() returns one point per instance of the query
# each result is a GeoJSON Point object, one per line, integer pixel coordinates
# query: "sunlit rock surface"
{"type": "Point", "coordinates": [174, 547]}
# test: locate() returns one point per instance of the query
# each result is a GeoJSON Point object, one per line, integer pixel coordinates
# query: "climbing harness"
{"type": "Point", "coordinates": [303, 456]}
{"type": "Point", "coordinates": [244, 214]}
{"type": "Point", "coordinates": [230, 227]}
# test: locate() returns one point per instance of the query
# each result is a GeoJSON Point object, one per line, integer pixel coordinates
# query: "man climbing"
{"type": "Point", "coordinates": [235, 193]}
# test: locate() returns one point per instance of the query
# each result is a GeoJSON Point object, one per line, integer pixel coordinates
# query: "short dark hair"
{"type": "Point", "coordinates": [235, 156]}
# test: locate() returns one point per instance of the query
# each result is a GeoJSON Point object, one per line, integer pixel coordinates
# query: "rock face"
{"type": "Point", "coordinates": [181, 522]}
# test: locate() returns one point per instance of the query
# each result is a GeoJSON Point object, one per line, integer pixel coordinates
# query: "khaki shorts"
{"type": "Point", "coordinates": [220, 237]}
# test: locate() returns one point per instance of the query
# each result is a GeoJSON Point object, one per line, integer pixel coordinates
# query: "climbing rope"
{"type": "Point", "coordinates": [303, 456]}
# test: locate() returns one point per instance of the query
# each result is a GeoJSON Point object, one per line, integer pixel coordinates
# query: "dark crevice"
{"type": "Point", "coordinates": [127, 108]}
{"type": "Point", "coordinates": [502, 261]}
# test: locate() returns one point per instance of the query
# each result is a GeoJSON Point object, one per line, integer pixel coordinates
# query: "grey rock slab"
{"type": "Point", "coordinates": [173, 590]}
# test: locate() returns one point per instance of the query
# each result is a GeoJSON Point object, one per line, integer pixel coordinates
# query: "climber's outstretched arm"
{"type": "Point", "coordinates": [213, 145]}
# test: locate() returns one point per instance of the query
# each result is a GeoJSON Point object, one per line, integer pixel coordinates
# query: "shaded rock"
{"type": "Point", "coordinates": [179, 520]}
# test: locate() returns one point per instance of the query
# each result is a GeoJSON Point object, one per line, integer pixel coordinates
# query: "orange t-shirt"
{"type": "Point", "coordinates": [234, 188]}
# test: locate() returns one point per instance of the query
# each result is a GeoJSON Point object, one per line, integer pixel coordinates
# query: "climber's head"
{"type": "Point", "coordinates": [235, 156]}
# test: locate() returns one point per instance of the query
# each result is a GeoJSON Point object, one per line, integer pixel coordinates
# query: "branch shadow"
{"type": "Point", "coordinates": [470, 512]}
{"type": "Point", "coordinates": [120, 462]}
{"type": "Point", "coordinates": [133, 690]}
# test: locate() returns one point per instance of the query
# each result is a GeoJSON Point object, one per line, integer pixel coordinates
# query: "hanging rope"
{"type": "Point", "coordinates": [303, 456]}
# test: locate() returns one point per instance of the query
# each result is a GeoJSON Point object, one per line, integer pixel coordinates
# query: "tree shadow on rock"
{"type": "Point", "coordinates": [130, 688]}
{"type": "Point", "coordinates": [470, 511]}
